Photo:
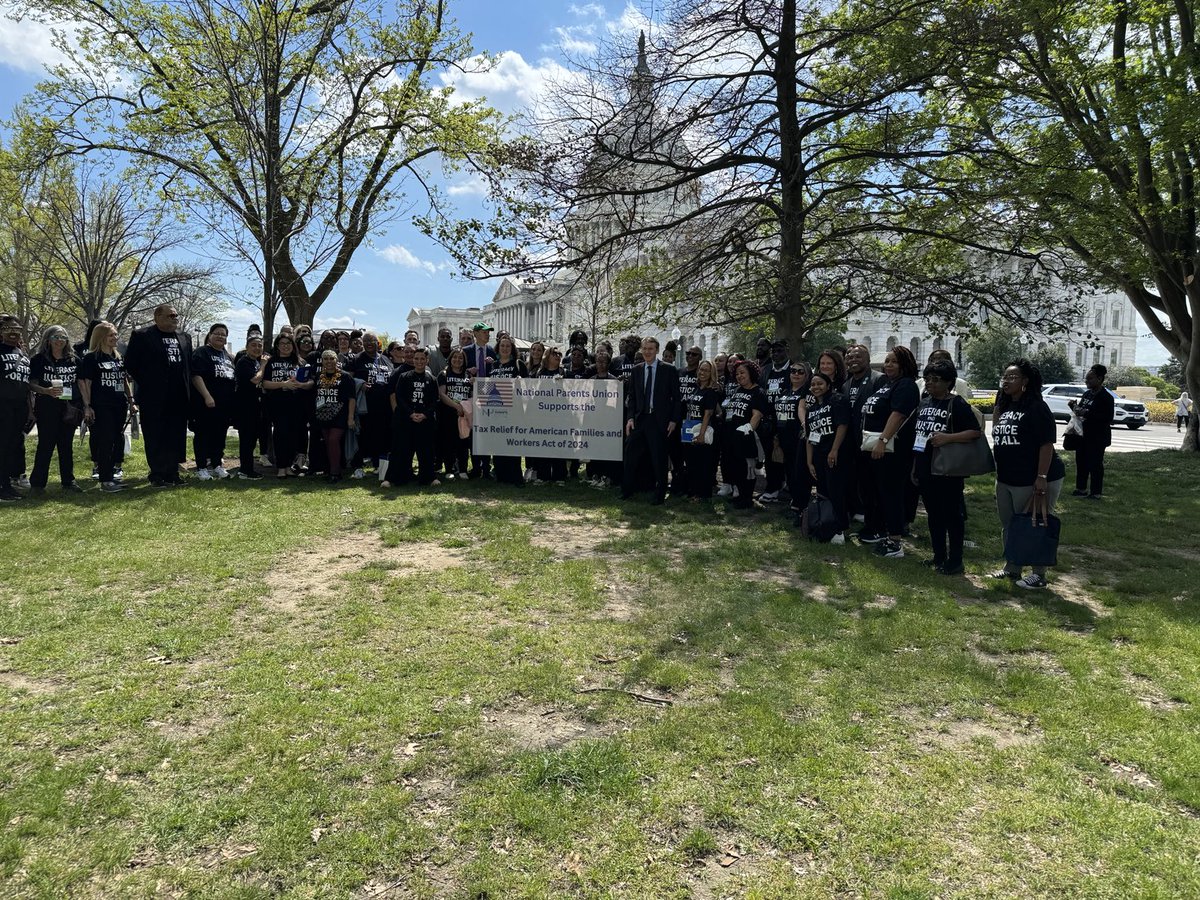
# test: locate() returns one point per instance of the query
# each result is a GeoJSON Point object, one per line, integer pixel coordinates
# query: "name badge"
{"type": "Point", "coordinates": [814, 437]}
{"type": "Point", "coordinates": [919, 444]}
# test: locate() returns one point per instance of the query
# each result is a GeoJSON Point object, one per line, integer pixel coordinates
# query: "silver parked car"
{"type": "Point", "coordinates": [1129, 413]}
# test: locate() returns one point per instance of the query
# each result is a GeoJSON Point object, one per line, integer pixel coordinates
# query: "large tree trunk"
{"type": "Point", "coordinates": [789, 310]}
{"type": "Point", "coordinates": [1191, 372]}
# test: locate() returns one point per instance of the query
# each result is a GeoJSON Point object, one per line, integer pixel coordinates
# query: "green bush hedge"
{"type": "Point", "coordinates": [984, 405]}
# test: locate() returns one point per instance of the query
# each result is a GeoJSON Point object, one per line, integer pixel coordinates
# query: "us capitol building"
{"type": "Point", "coordinates": [549, 309]}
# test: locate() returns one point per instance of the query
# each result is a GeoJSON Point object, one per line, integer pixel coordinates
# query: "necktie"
{"type": "Point", "coordinates": [649, 388]}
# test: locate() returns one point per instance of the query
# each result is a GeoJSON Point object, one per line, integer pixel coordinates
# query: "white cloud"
{"type": "Point", "coordinates": [574, 39]}
{"type": "Point", "coordinates": [356, 312]}
{"type": "Point", "coordinates": [508, 85]}
{"type": "Point", "coordinates": [28, 45]}
{"type": "Point", "coordinates": [632, 21]}
{"type": "Point", "coordinates": [587, 10]}
{"type": "Point", "coordinates": [474, 186]}
{"type": "Point", "coordinates": [402, 256]}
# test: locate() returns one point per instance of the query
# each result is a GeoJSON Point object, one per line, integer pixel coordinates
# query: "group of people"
{"type": "Point", "coordinates": [862, 440]}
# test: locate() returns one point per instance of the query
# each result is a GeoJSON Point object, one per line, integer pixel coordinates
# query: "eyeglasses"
{"type": "Point", "coordinates": [692, 353]}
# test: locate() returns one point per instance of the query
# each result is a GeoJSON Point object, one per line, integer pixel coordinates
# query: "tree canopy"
{"type": "Point", "coordinates": [295, 129]}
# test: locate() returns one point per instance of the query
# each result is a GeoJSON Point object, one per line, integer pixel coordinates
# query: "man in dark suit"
{"type": "Point", "coordinates": [159, 361]}
{"type": "Point", "coordinates": [655, 411]}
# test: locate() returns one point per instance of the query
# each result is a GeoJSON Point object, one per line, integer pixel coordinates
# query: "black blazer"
{"type": "Point", "coordinates": [668, 405]}
{"type": "Point", "coordinates": [146, 363]}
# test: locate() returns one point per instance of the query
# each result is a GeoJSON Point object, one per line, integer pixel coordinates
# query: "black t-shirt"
{"type": "Point", "coordinates": [950, 415]}
{"type": "Point", "coordinates": [416, 393]}
{"type": "Point", "coordinates": [1018, 435]}
{"type": "Point", "coordinates": [699, 400]}
{"type": "Point", "coordinates": [107, 375]}
{"type": "Point", "coordinates": [900, 396]}
{"type": "Point", "coordinates": [340, 391]}
{"type": "Point", "coordinates": [247, 393]}
{"type": "Point", "coordinates": [824, 417]}
{"type": "Point", "coordinates": [687, 383]}
{"type": "Point", "coordinates": [742, 403]}
{"type": "Point", "coordinates": [775, 381]}
{"type": "Point", "coordinates": [174, 351]}
{"type": "Point", "coordinates": [1096, 409]}
{"type": "Point", "coordinates": [43, 368]}
{"type": "Point", "coordinates": [458, 387]}
{"type": "Point", "coordinates": [279, 371]}
{"type": "Point", "coordinates": [514, 368]}
{"type": "Point", "coordinates": [560, 372]}
{"type": "Point", "coordinates": [577, 374]}
{"type": "Point", "coordinates": [216, 369]}
{"type": "Point", "coordinates": [14, 374]}
{"type": "Point", "coordinates": [375, 374]}
{"type": "Point", "coordinates": [786, 403]}
{"type": "Point", "coordinates": [856, 391]}
{"type": "Point", "coordinates": [622, 366]}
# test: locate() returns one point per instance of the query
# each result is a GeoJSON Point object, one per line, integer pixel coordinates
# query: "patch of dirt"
{"type": "Point", "coordinates": [620, 604]}
{"type": "Point", "coordinates": [944, 731]}
{"type": "Point", "coordinates": [1129, 774]}
{"type": "Point", "coordinates": [1071, 589]}
{"type": "Point", "coordinates": [1190, 555]}
{"type": "Point", "coordinates": [316, 572]}
{"type": "Point", "coordinates": [184, 732]}
{"type": "Point", "coordinates": [1007, 660]}
{"type": "Point", "coordinates": [1150, 695]}
{"type": "Point", "coordinates": [578, 539]}
{"type": "Point", "coordinates": [540, 727]}
{"type": "Point", "coordinates": [23, 684]}
{"type": "Point", "coordinates": [881, 601]}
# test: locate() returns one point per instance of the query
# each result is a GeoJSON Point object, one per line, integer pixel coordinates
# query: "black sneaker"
{"type": "Point", "coordinates": [9, 495]}
{"type": "Point", "coordinates": [1094, 497]}
{"type": "Point", "coordinates": [889, 548]}
{"type": "Point", "coordinates": [249, 476]}
{"type": "Point", "coordinates": [72, 487]}
{"type": "Point", "coordinates": [933, 563]}
{"type": "Point", "coordinates": [1078, 493]}
{"type": "Point", "coordinates": [948, 569]}
{"type": "Point", "coordinates": [869, 537]}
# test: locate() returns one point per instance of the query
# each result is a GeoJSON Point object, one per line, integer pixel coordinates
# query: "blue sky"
{"type": "Point", "coordinates": [402, 268]}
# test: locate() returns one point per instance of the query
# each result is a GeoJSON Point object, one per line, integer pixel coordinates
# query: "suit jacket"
{"type": "Point", "coordinates": [472, 354]}
{"type": "Point", "coordinates": [667, 405]}
{"type": "Point", "coordinates": [146, 363]}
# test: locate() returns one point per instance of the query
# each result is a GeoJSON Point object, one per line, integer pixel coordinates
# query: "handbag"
{"type": "Point", "coordinates": [871, 438]}
{"type": "Point", "coordinates": [1030, 543]}
{"type": "Point", "coordinates": [1072, 441]}
{"type": "Point", "coordinates": [327, 413]}
{"type": "Point", "coordinates": [818, 522]}
{"type": "Point", "coordinates": [963, 460]}
{"type": "Point", "coordinates": [72, 415]}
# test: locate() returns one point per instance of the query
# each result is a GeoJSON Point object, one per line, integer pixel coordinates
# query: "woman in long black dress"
{"type": "Point", "coordinates": [107, 401]}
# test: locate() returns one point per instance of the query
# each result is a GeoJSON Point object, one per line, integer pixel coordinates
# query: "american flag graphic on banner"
{"type": "Point", "coordinates": [498, 392]}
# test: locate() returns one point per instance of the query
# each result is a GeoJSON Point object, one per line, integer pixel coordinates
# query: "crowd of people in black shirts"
{"type": "Point", "coordinates": [862, 440]}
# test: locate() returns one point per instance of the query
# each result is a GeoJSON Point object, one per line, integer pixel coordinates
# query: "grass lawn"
{"type": "Point", "coordinates": [257, 690]}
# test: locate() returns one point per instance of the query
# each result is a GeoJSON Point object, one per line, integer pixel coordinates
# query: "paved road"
{"type": "Point", "coordinates": [1149, 437]}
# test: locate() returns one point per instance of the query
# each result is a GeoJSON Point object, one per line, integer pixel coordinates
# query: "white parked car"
{"type": "Point", "coordinates": [1129, 413]}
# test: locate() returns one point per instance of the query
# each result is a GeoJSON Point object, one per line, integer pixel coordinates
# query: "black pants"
{"type": "Point", "coordinates": [891, 475]}
{"type": "Point", "coordinates": [13, 415]}
{"type": "Point", "coordinates": [943, 499]}
{"type": "Point", "coordinates": [452, 450]}
{"type": "Point", "coordinates": [697, 466]}
{"type": "Point", "coordinates": [53, 434]}
{"type": "Point", "coordinates": [374, 430]}
{"type": "Point", "coordinates": [409, 437]}
{"type": "Point", "coordinates": [164, 429]}
{"type": "Point", "coordinates": [1089, 463]}
{"type": "Point", "coordinates": [247, 423]}
{"type": "Point", "coordinates": [286, 419]}
{"type": "Point", "coordinates": [675, 455]}
{"type": "Point", "coordinates": [831, 484]}
{"type": "Point", "coordinates": [107, 440]}
{"type": "Point", "coordinates": [211, 426]}
{"type": "Point", "coordinates": [777, 473]}
{"type": "Point", "coordinates": [645, 441]}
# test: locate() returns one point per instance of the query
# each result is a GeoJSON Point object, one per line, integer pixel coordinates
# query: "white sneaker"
{"type": "Point", "coordinates": [264, 461]}
{"type": "Point", "coordinates": [219, 472]}
{"type": "Point", "coordinates": [118, 475]}
{"type": "Point", "coordinates": [838, 538]}
{"type": "Point", "coordinates": [725, 490]}
{"type": "Point", "coordinates": [358, 475]}
{"type": "Point", "coordinates": [204, 475]}
{"type": "Point", "coordinates": [22, 482]}
{"type": "Point", "coordinates": [859, 517]}
{"type": "Point", "coordinates": [736, 492]}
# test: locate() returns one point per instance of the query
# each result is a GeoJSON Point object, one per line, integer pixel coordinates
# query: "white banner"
{"type": "Point", "coordinates": [550, 417]}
